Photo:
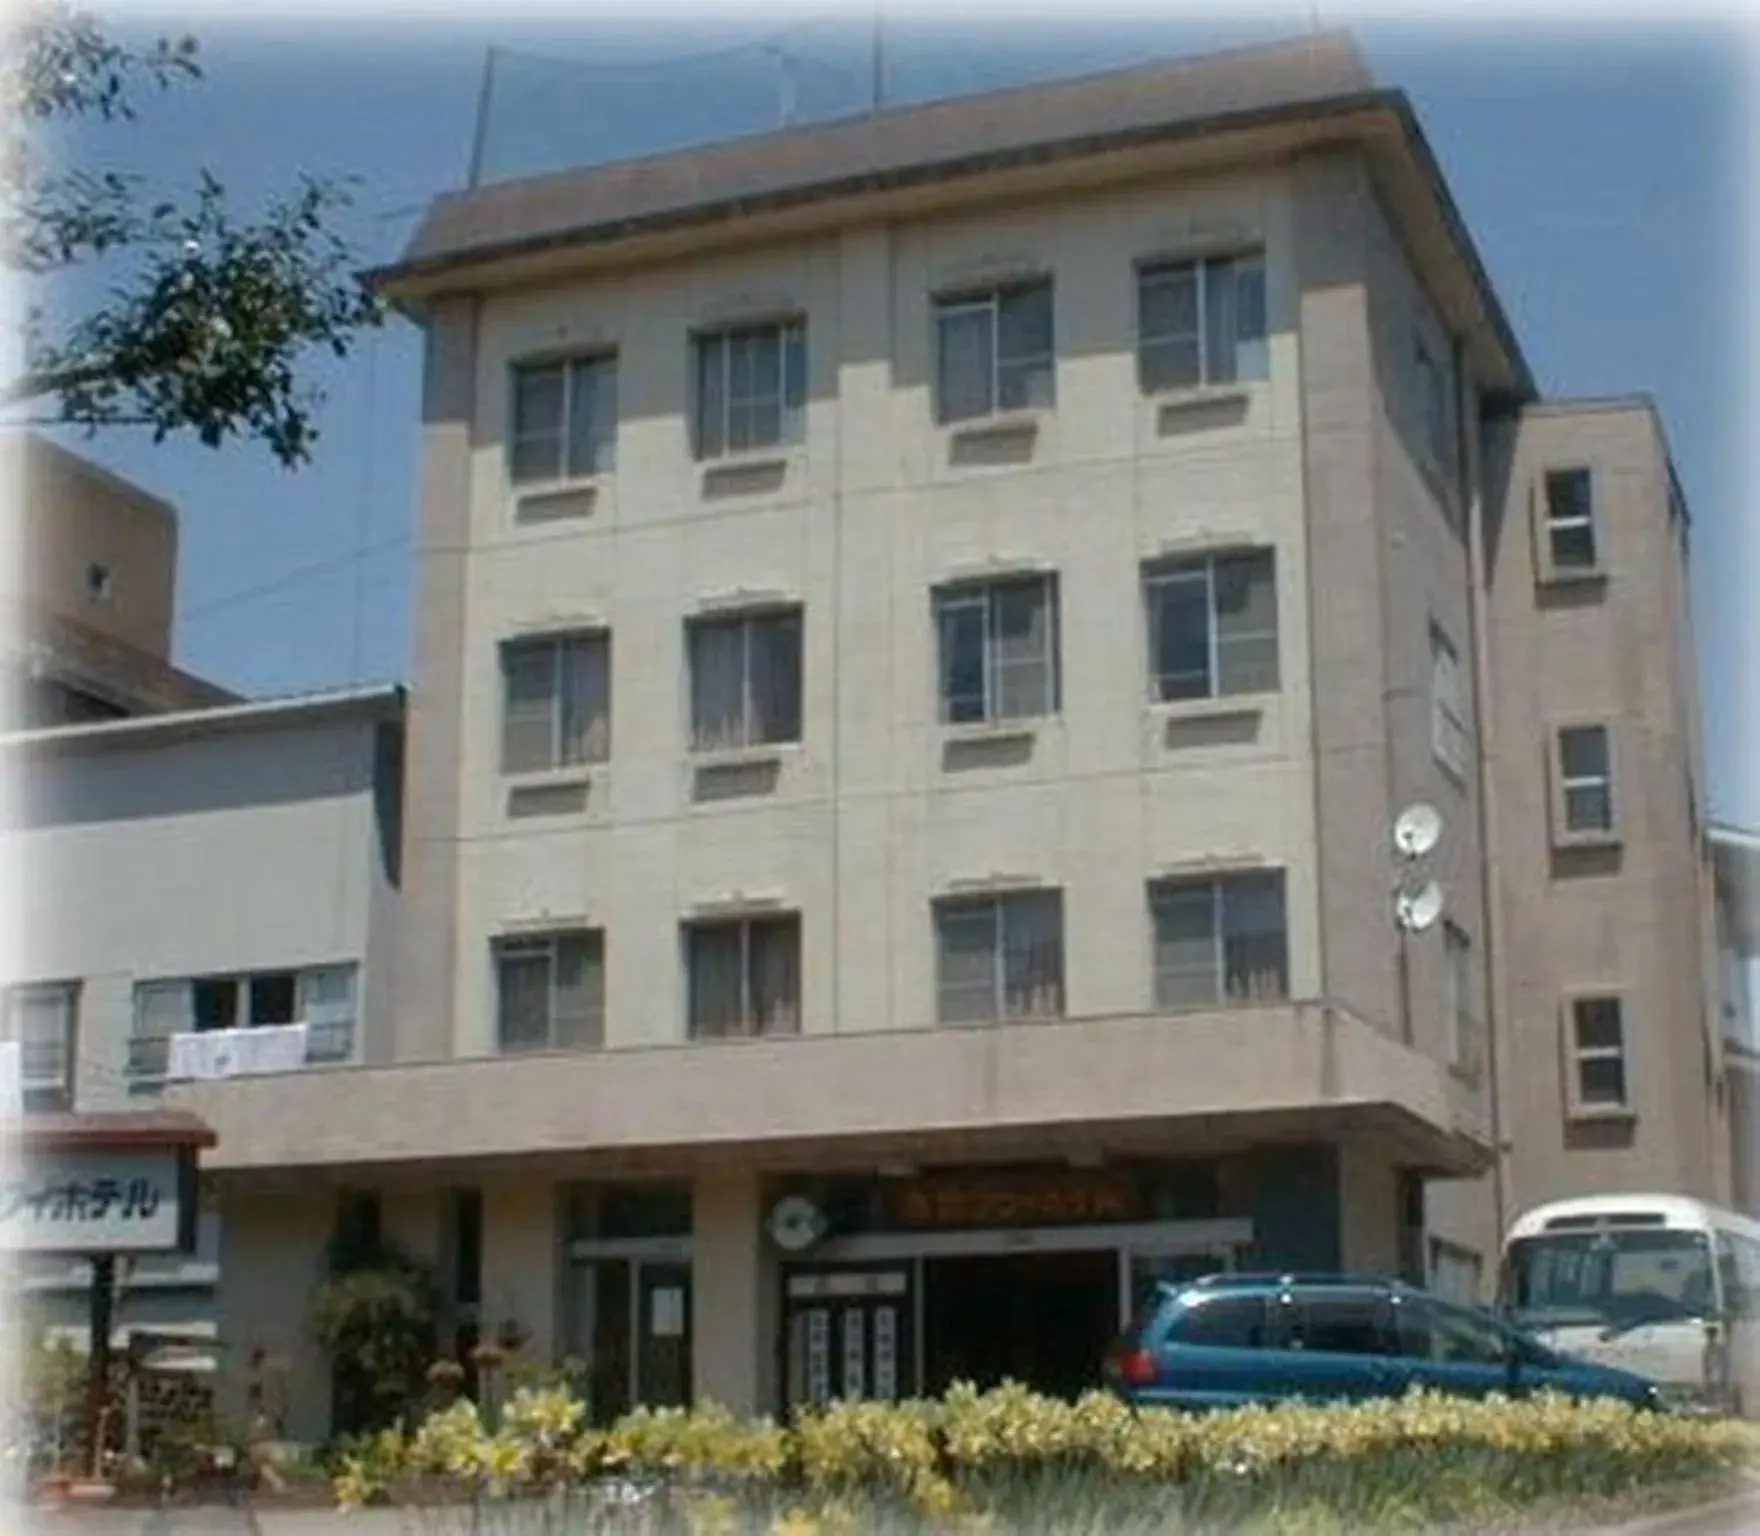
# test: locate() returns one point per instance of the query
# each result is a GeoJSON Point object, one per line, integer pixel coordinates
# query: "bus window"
{"type": "Point", "coordinates": [1622, 1278]}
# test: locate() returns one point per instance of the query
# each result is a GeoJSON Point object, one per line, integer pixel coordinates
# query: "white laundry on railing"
{"type": "Point", "coordinates": [212, 1053]}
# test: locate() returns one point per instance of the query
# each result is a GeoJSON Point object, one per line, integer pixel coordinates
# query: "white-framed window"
{"type": "Point", "coordinates": [324, 998]}
{"type": "Point", "coordinates": [745, 679]}
{"type": "Point", "coordinates": [999, 957]}
{"type": "Point", "coordinates": [550, 991]}
{"type": "Point", "coordinates": [1585, 778]}
{"type": "Point", "coordinates": [42, 1018]}
{"type": "Point", "coordinates": [1201, 322]}
{"type": "Point", "coordinates": [1450, 741]}
{"type": "Point", "coordinates": [1220, 940]}
{"type": "Point", "coordinates": [1599, 1080]}
{"type": "Point", "coordinates": [1435, 401]}
{"type": "Point", "coordinates": [744, 976]}
{"type": "Point", "coordinates": [995, 352]}
{"type": "Point", "coordinates": [1569, 507]}
{"type": "Point", "coordinates": [751, 387]}
{"type": "Point", "coordinates": [1212, 623]}
{"type": "Point", "coordinates": [564, 419]}
{"type": "Point", "coordinates": [998, 643]}
{"type": "Point", "coordinates": [1459, 1011]}
{"type": "Point", "coordinates": [556, 702]}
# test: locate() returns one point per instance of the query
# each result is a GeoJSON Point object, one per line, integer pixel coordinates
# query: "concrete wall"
{"type": "Point", "coordinates": [865, 823]}
{"type": "Point", "coordinates": [1633, 917]}
{"type": "Point", "coordinates": [216, 854]}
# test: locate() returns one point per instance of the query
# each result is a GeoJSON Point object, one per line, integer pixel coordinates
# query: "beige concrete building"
{"type": "Point", "coordinates": [926, 625]}
{"type": "Point", "coordinates": [91, 590]}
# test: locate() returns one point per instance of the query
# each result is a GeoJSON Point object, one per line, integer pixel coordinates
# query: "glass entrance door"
{"type": "Point", "coordinates": [632, 1323]}
{"type": "Point", "coordinates": [848, 1335]}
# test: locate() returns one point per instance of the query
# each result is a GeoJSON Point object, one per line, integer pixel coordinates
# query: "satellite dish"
{"type": "Point", "coordinates": [1417, 910]}
{"type": "Point", "coordinates": [1418, 830]}
{"type": "Point", "coordinates": [795, 1224]}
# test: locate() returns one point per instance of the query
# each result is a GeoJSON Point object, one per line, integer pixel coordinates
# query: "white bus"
{"type": "Point", "coordinates": [1658, 1284]}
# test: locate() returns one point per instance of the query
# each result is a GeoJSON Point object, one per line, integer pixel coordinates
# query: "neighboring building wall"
{"type": "Point", "coordinates": [90, 595]}
{"type": "Point", "coordinates": [177, 849]}
{"type": "Point", "coordinates": [1626, 915]}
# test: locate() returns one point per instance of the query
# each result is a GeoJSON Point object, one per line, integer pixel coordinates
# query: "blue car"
{"type": "Point", "coordinates": [1233, 1339]}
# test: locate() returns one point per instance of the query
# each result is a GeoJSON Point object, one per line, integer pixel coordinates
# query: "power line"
{"type": "Point", "coordinates": [297, 574]}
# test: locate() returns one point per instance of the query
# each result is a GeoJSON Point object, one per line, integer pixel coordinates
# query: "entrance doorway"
{"type": "Point", "coordinates": [631, 1321]}
{"type": "Point", "coordinates": [1041, 1319]}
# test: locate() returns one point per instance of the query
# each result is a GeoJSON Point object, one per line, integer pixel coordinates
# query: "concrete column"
{"type": "Point", "coordinates": [1369, 1211]}
{"type": "Point", "coordinates": [521, 1269]}
{"type": "Point", "coordinates": [733, 1291]}
{"type": "Point", "coordinates": [272, 1250]}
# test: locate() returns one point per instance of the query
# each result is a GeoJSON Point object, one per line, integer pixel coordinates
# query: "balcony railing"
{"type": "Point", "coordinates": [329, 1042]}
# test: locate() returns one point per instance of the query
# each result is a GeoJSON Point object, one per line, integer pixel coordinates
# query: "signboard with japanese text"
{"type": "Point", "coordinates": [99, 1200]}
{"type": "Point", "coordinates": [1035, 1199]}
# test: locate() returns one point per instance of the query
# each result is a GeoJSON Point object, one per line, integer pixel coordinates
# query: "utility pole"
{"type": "Point", "coordinates": [879, 59]}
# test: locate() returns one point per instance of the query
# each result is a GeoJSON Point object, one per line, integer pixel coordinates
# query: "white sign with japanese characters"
{"type": "Point", "coordinates": [97, 1200]}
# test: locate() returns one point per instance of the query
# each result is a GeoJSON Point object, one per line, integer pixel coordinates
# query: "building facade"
{"type": "Point", "coordinates": [190, 872]}
{"type": "Point", "coordinates": [88, 619]}
{"type": "Point", "coordinates": [922, 650]}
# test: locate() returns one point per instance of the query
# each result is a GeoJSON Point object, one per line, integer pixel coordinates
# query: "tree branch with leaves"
{"type": "Point", "coordinates": [209, 322]}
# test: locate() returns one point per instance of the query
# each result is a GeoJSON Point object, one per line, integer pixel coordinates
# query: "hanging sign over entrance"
{"type": "Point", "coordinates": [1014, 1198]}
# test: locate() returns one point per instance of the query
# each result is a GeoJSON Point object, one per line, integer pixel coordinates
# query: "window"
{"type": "Point", "coordinates": [564, 420]}
{"type": "Point", "coordinates": [1462, 1021]}
{"type": "Point", "coordinates": [1585, 774]}
{"type": "Point", "coordinates": [98, 582]}
{"type": "Point", "coordinates": [751, 387]}
{"type": "Point", "coordinates": [1212, 626]}
{"type": "Point", "coordinates": [1570, 521]}
{"type": "Point", "coordinates": [1219, 941]}
{"type": "Point", "coordinates": [1340, 1325]}
{"type": "Point", "coordinates": [1449, 740]}
{"type": "Point", "coordinates": [320, 997]}
{"type": "Point", "coordinates": [1598, 1054]}
{"type": "Point", "coordinates": [999, 650]}
{"type": "Point", "coordinates": [1201, 322]}
{"type": "Point", "coordinates": [745, 681]}
{"type": "Point", "coordinates": [550, 992]}
{"type": "Point", "coordinates": [999, 957]}
{"type": "Point", "coordinates": [1429, 1330]}
{"type": "Point", "coordinates": [745, 977]}
{"type": "Point", "coordinates": [1224, 1322]}
{"type": "Point", "coordinates": [556, 702]}
{"type": "Point", "coordinates": [41, 1021]}
{"type": "Point", "coordinates": [995, 352]}
{"type": "Point", "coordinates": [1435, 402]}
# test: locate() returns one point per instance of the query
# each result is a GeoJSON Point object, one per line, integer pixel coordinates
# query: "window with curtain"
{"type": "Point", "coordinates": [1220, 941]}
{"type": "Point", "coordinates": [999, 957]}
{"type": "Point", "coordinates": [995, 352]}
{"type": "Point", "coordinates": [564, 420]}
{"type": "Point", "coordinates": [1212, 623]}
{"type": "Point", "coordinates": [42, 1019]}
{"type": "Point", "coordinates": [1201, 322]}
{"type": "Point", "coordinates": [744, 976]}
{"type": "Point", "coordinates": [556, 702]}
{"type": "Point", "coordinates": [550, 992]}
{"type": "Point", "coordinates": [745, 680]}
{"type": "Point", "coordinates": [998, 644]}
{"type": "Point", "coordinates": [751, 387]}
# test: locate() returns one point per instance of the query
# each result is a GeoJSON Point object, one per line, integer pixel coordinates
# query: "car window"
{"type": "Point", "coordinates": [1340, 1325]}
{"type": "Point", "coordinates": [1223, 1322]}
{"type": "Point", "coordinates": [1429, 1330]}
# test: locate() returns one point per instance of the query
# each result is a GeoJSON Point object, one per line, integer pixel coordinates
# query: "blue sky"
{"type": "Point", "coordinates": [1598, 171]}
